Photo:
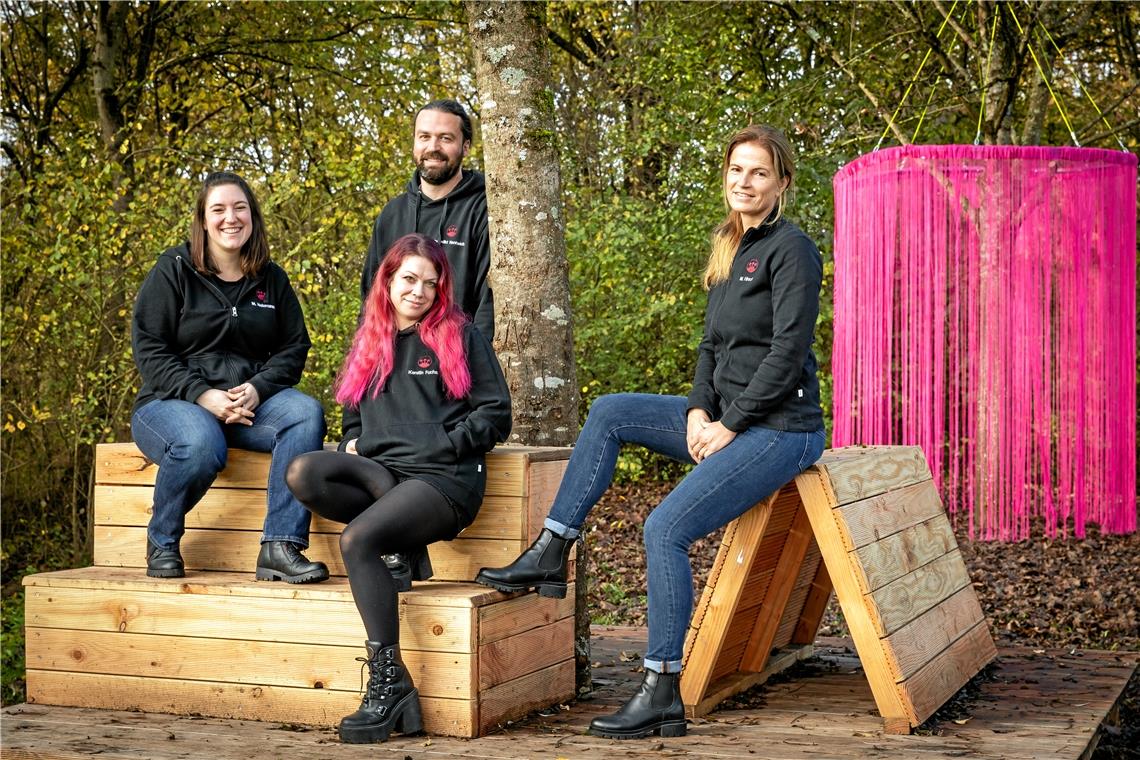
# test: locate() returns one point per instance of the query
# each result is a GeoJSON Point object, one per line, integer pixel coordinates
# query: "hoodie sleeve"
{"type": "Point", "coordinates": [154, 324]}
{"type": "Point", "coordinates": [484, 316]}
{"type": "Point", "coordinates": [703, 395]}
{"type": "Point", "coordinates": [797, 276]}
{"type": "Point", "coordinates": [371, 260]}
{"type": "Point", "coordinates": [350, 425]}
{"type": "Point", "coordinates": [489, 421]}
{"type": "Point", "coordinates": [284, 367]}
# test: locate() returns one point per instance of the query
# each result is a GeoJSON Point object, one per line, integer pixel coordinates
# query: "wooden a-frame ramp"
{"type": "Point", "coordinates": [868, 522]}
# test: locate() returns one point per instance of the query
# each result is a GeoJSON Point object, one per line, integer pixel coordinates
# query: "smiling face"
{"type": "Point", "coordinates": [439, 146]}
{"type": "Point", "coordinates": [228, 220]}
{"type": "Point", "coordinates": [752, 186]}
{"type": "Point", "coordinates": [412, 290]}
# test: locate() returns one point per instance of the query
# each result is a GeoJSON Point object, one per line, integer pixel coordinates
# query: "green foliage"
{"type": "Point", "coordinates": [12, 649]}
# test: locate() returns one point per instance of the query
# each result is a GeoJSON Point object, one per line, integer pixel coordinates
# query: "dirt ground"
{"type": "Point", "coordinates": [1062, 593]}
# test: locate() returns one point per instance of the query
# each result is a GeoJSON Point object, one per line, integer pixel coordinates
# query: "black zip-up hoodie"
{"type": "Point", "coordinates": [459, 222]}
{"type": "Point", "coordinates": [187, 337]}
{"type": "Point", "coordinates": [414, 429]}
{"type": "Point", "coordinates": [755, 365]}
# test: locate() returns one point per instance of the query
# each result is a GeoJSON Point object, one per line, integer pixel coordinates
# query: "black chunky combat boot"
{"type": "Point", "coordinates": [391, 702]}
{"type": "Point", "coordinates": [542, 567]}
{"type": "Point", "coordinates": [656, 708]}
{"type": "Point", "coordinates": [283, 561]}
{"type": "Point", "coordinates": [405, 568]}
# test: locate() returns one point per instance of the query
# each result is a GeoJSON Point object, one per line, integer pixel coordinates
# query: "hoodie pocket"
{"type": "Point", "coordinates": [413, 442]}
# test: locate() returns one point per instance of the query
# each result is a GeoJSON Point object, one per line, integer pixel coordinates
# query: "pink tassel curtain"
{"type": "Point", "coordinates": [985, 310]}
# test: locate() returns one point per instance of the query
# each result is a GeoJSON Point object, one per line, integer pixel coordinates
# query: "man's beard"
{"type": "Point", "coordinates": [438, 175]}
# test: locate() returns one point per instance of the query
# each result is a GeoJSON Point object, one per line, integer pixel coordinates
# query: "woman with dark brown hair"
{"type": "Point", "coordinates": [220, 341]}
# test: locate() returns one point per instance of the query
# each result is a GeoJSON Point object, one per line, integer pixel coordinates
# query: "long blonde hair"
{"type": "Point", "coordinates": [726, 237]}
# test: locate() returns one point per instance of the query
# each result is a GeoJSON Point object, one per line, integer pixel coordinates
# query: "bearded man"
{"type": "Point", "coordinates": [445, 202]}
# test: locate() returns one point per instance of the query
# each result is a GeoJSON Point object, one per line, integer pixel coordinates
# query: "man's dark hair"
{"type": "Point", "coordinates": [447, 105]}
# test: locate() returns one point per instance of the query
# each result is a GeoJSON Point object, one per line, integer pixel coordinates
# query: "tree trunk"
{"type": "Point", "coordinates": [528, 262]}
{"type": "Point", "coordinates": [529, 271]}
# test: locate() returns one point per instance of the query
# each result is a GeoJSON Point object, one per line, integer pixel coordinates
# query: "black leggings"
{"type": "Point", "coordinates": [381, 516]}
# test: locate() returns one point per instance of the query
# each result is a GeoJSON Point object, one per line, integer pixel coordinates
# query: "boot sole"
{"type": "Point", "coordinates": [665, 729]}
{"type": "Point", "coordinates": [179, 573]}
{"type": "Point", "coordinates": [315, 576]}
{"type": "Point", "coordinates": [407, 719]}
{"type": "Point", "coordinates": [548, 590]}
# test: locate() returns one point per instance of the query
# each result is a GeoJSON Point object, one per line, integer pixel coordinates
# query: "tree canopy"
{"type": "Point", "coordinates": [113, 112]}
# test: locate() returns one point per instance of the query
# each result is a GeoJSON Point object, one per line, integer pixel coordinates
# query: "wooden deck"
{"type": "Point", "coordinates": [1030, 704]}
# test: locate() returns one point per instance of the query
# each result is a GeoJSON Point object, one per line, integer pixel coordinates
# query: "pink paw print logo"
{"type": "Point", "coordinates": [424, 362]}
{"type": "Point", "coordinates": [753, 265]}
{"type": "Point", "coordinates": [261, 295]}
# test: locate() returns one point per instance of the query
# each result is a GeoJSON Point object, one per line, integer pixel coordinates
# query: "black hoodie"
{"type": "Point", "coordinates": [459, 222]}
{"type": "Point", "coordinates": [414, 429]}
{"type": "Point", "coordinates": [755, 365]}
{"type": "Point", "coordinates": [187, 337]}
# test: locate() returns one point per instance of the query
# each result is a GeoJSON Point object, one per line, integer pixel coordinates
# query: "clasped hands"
{"type": "Point", "coordinates": [703, 437]}
{"type": "Point", "coordinates": [232, 407]}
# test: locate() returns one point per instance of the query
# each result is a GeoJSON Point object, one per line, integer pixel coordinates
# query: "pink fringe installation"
{"type": "Point", "coordinates": [985, 310]}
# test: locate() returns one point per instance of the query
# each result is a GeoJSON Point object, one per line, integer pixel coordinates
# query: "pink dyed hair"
{"type": "Point", "coordinates": [369, 361]}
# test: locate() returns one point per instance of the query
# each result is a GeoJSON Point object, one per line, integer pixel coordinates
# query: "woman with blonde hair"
{"type": "Point", "coordinates": [751, 423]}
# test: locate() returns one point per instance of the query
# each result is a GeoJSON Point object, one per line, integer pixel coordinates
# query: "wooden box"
{"type": "Point", "coordinates": [223, 531]}
{"type": "Point", "coordinates": [221, 644]}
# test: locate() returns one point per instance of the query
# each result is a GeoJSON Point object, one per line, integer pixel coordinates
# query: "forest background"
{"type": "Point", "coordinates": [113, 113]}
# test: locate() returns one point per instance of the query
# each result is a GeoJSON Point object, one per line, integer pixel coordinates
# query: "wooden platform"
{"type": "Point", "coordinates": [223, 531]}
{"type": "Point", "coordinates": [219, 643]}
{"type": "Point", "coordinates": [1032, 705]}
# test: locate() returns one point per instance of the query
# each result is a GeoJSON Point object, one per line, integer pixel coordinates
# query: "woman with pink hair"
{"type": "Point", "coordinates": [424, 399]}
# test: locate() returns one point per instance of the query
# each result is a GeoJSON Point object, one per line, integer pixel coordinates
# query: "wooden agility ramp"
{"type": "Point", "coordinates": [868, 522]}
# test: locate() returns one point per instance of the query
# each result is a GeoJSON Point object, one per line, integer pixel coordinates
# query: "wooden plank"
{"type": "Point", "coordinates": [522, 613]}
{"type": "Point", "coordinates": [543, 480]}
{"type": "Point", "coordinates": [500, 517]}
{"type": "Point", "coordinates": [799, 597]}
{"type": "Point", "coordinates": [516, 698]}
{"type": "Point", "coordinates": [783, 583]}
{"type": "Point", "coordinates": [894, 556]}
{"type": "Point", "coordinates": [445, 629]}
{"type": "Point", "coordinates": [939, 679]}
{"type": "Point", "coordinates": [814, 606]}
{"type": "Point", "coordinates": [819, 502]}
{"type": "Point", "coordinates": [869, 520]}
{"type": "Point", "coordinates": [321, 707]}
{"type": "Point", "coordinates": [861, 472]}
{"type": "Point", "coordinates": [430, 593]}
{"type": "Point", "coordinates": [515, 656]}
{"type": "Point", "coordinates": [307, 666]}
{"type": "Point", "coordinates": [904, 599]}
{"type": "Point", "coordinates": [722, 595]}
{"type": "Point", "coordinates": [723, 688]}
{"type": "Point", "coordinates": [921, 640]}
{"type": "Point", "coordinates": [124, 464]}
{"type": "Point", "coordinates": [226, 550]}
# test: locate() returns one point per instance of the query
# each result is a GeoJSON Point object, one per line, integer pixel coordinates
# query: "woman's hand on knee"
{"type": "Point", "coordinates": [245, 396]}
{"type": "Point", "coordinates": [711, 439]}
{"type": "Point", "coordinates": [697, 421]}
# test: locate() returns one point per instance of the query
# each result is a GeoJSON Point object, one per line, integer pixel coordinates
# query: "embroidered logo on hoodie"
{"type": "Point", "coordinates": [423, 363]}
{"type": "Point", "coordinates": [452, 231]}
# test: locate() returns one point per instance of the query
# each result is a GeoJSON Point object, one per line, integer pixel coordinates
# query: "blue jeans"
{"type": "Point", "coordinates": [189, 446]}
{"type": "Point", "coordinates": [717, 491]}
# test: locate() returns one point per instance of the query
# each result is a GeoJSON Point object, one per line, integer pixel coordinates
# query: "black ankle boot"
{"type": "Point", "coordinates": [405, 568]}
{"type": "Point", "coordinates": [656, 708]}
{"type": "Point", "coordinates": [542, 566]}
{"type": "Point", "coordinates": [283, 561]}
{"type": "Point", "coordinates": [164, 563]}
{"type": "Point", "coordinates": [391, 702]}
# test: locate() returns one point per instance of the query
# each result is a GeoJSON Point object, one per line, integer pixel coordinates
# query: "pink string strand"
{"type": "Point", "coordinates": [985, 310]}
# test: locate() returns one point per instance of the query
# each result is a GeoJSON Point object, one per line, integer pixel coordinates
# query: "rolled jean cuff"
{"type": "Point", "coordinates": [301, 542]}
{"type": "Point", "coordinates": [669, 666]}
{"type": "Point", "coordinates": [560, 530]}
